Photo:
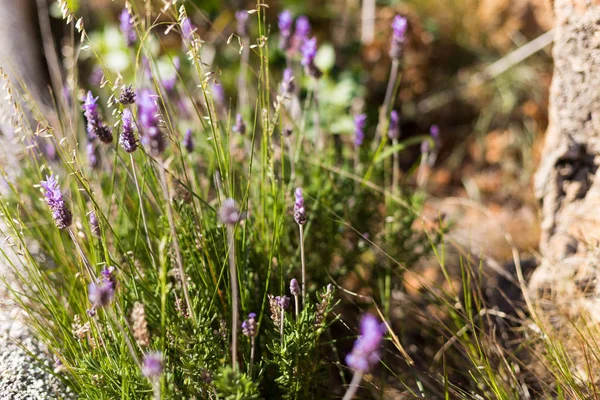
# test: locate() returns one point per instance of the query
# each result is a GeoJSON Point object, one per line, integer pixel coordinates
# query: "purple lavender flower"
{"type": "Point", "coordinates": [95, 125]}
{"type": "Point", "coordinates": [188, 140]}
{"type": "Point", "coordinates": [434, 131]}
{"type": "Point", "coordinates": [152, 366]}
{"type": "Point", "coordinates": [60, 212]}
{"type": "Point", "coordinates": [93, 154]}
{"type": "Point", "coordinates": [127, 27]}
{"type": "Point", "coordinates": [302, 28]}
{"type": "Point", "coordinates": [360, 120]}
{"type": "Point", "coordinates": [240, 126]}
{"type": "Point", "coordinates": [148, 117]}
{"type": "Point", "coordinates": [242, 23]}
{"type": "Point", "coordinates": [218, 94]}
{"type": "Point", "coordinates": [365, 353]}
{"type": "Point", "coordinates": [108, 275]}
{"type": "Point", "coordinates": [127, 95]}
{"type": "Point", "coordinates": [229, 212]}
{"type": "Point", "coordinates": [101, 294]}
{"type": "Point", "coordinates": [94, 224]}
{"type": "Point", "coordinates": [394, 128]}
{"type": "Point", "coordinates": [249, 326]}
{"type": "Point", "coordinates": [283, 302]}
{"type": "Point", "coordinates": [294, 287]}
{"type": "Point", "coordinates": [96, 76]}
{"type": "Point", "coordinates": [309, 52]}
{"type": "Point", "coordinates": [287, 84]}
{"type": "Point", "coordinates": [127, 139]}
{"type": "Point", "coordinates": [299, 210]}
{"type": "Point", "coordinates": [285, 21]}
{"type": "Point", "coordinates": [187, 29]}
{"type": "Point", "coordinates": [399, 26]}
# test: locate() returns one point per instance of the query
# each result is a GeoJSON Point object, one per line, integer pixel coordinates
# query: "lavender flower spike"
{"type": "Point", "coordinates": [229, 212]}
{"type": "Point", "coordinates": [148, 117]}
{"type": "Point", "coordinates": [399, 26]}
{"type": "Point", "coordinates": [101, 294]}
{"type": "Point", "coordinates": [360, 121]}
{"type": "Point", "coordinates": [240, 126]}
{"type": "Point", "coordinates": [127, 139]}
{"type": "Point", "coordinates": [309, 52]}
{"type": "Point", "coordinates": [127, 28]}
{"type": "Point", "coordinates": [188, 141]}
{"type": "Point", "coordinates": [127, 95]}
{"type": "Point", "coordinates": [294, 287]}
{"type": "Point", "coordinates": [365, 353]}
{"type": "Point", "coordinates": [242, 23]}
{"type": "Point", "coordinates": [299, 210]}
{"type": "Point", "coordinates": [302, 28]}
{"type": "Point", "coordinates": [152, 366]}
{"type": "Point", "coordinates": [95, 125]}
{"type": "Point", "coordinates": [394, 128]}
{"type": "Point", "coordinates": [285, 21]}
{"type": "Point", "coordinates": [187, 29]}
{"type": "Point", "coordinates": [60, 212]}
{"type": "Point", "coordinates": [249, 326]}
{"type": "Point", "coordinates": [287, 83]}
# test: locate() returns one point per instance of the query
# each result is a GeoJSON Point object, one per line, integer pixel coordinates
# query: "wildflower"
{"type": "Point", "coordinates": [139, 324]}
{"type": "Point", "coordinates": [287, 84]}
{"type": "Point", "coordinates": [60, 212]}
{"type": "Point", "coordinates": [284, 21]}
{"type": "Point", "coordinates": [249, 325]}
{"type": "Point", "coordinates": [93, 154]}
{"type": "Point", "coordinates": [309, 52]}
{"type": "Point", "coordinates": [148, 112]}
{"type": "Point", "coordinates": [242, 23]}
{"type": "Point", "coordinates": [434, 131]}
{"type": "Point", "coordinates": [239, 126]}
{"type": "Point", "coordinates": [187, 29]}
{"type": "Point", "coordinates": [188, 141]}
{"type": "Point", "coordinates": [302, 28]}
{"type": "Point", "coordinates": [108, 275]}
{"type": "Point", "coordinates": [95, 125]}
{"type": "Point", "coordinates": [294, 287]}
{"type": "Point", "coordinates": [360, 121]}
{"type": "Point", "coordinates": [399, 26]}
{"type": "Point", "coordinates": [299, 210]}
{"type": "Point", "coordinates": [365, 353]}
{"type": "Point", "coordinates": [218, 94]}
{"type": "Point", "coordinates": [127, 95]}
{"type": "Point", "coordinates": [152, 366]}
{"type": "Point", "coordinates": [94, 224]}
{"type": "Point", "coordinates": [229, 212]}
{"type": "Point", "coordinates": [127, 139]}
{"type": "Point", "coordinates": [127, 27]}
{"type": "Point", "coordinates": [283, 302]}
{"type": "Point", "coordinates": [101, 294]}
{"type": "Point", "coordinates": [394, 128]}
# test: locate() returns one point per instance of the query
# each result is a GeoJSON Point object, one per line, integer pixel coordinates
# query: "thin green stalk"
{"type": "Point", "coordinates": [385, 108]}
{"type": "Point", "coordinates": [234, 295]}
{"type": "Point", "coordinates": [303, 265]}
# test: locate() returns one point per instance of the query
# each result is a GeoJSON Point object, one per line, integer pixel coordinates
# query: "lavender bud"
{"type": "Point", "coordinates": [152, 366]}
{"type": "Point", "coordinates": [283, 302]}
{"type": "Point", "coordinates": [365, 353]}
{"type": "Point", "coordinates": [249, 326]}
{"type": "Point", "coordinates": [285, 21]}
{"type": "Point", "coordinates": [108, 275]}
{"type": "Point", "coordinates": [302, 28]}
{"type": "Point", "coordinates": [127, 27]}
{"type": "Point", "coordinates": [218, 94]}
{"type": "Point", "coordinates": [95, 125]}
{"type": "Point", "coordinates": [299, 210]}
{"type": "Point", "coordinates": [94, 224]}
{"type": "Point", "coordinates": [127, 139]}
{"type": "Point", "coordinates": [60, 212]}
{"type": "Point", "coordinates": [148, 116]}
{"type": "Point", "coordinates": [188, 141]}
{"type": "Point", "coordinates": [360, 120]}
{"type": "Point", "coordinates": [127, 95]}
{"type": "Point", "coordinates": [239, 126]}
{"type": "Point", "coordinates": [91, 312]}
{"type": "Point", "coordinates": [394, 128]}
{"type": "Point", "coordinates": [399, 26]}
{"type": "Point", "coordinates": [309, 52]}
{"type": "Point", "coordinates": [242, 23]}
{"type": "Point", "coordinates": [287, 84]}
{"type": "Point", "coordinates": [229, 213]}
{"type": "Point", "coordinates": [294, 287]}
{"type": "Point", "coordinates": [101, 294]}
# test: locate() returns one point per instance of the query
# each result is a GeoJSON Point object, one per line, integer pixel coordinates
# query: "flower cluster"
{"type": "Point", "coordinates": [127, 139]}
{"type": "Point", "coordinates": [127, 95]}
{"type": "Point", "coordinates": [148, 117]}
{"type": "Point", "coordinates": [95, 126]}
{"type": "Point", "coordinates": [127, 28]}
{"type": "Point", "coordinates": [360, 120]}
{"type": "Point", "coordinates": [285, 21]}
{"type": "Point", "coordinates": [309, 52]}
{"type": "Point", "coordinates": [299, 210]}
{"type": "Point", "coordinates": [249, 326]}
{"type": "Point", "coordinates": [60, 212]}
{"type": "Point", "coordinates": [365, 353]}
{"type": "Point", "coordinates": [399, 26]}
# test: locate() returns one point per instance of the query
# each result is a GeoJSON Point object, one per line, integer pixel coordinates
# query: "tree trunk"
{"type": "Point", "coordinates": [567, 182]}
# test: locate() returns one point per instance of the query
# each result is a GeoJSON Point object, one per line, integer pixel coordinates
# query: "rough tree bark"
{"type": "Point", "coordinates": [568, 181]}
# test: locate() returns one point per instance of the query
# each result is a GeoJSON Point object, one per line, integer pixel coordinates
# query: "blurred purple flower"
{"type": "Point", "coordinates": [425, 146]}
{"type": "Point", "coordinates": [229, 212]}
{"type": "Point", "coordinates": [285, 21]}
{"type": "Point", "coordinates": [287, 84]}
{"type": "Point", "coordinates": [93, 155]}
{"type": "Point", "coordinates": [60, 212]}
{"type": "Point", "coordinates": [127, 139]}
{"type": "Point", "coordinates": [127, 27]}
{"type": "Point", "coordinates": [294, 287]}
{"type": "Point", "coordinates": [299, 210]}
{"type": "Point", "coordinates": [302, 28]}
{"type": "Point", "coordinates": [365, 353]}
{"type": "Point", "coordinates": [101, 294]}
{"type": "Point", "coordinates": [249, 326]}
{"type": "Point", "coordinates": [434, 131]}
{"type": "Point", "coordinates": [95, 125]}
{"type": "Point", "coordinates": [187, 29]}
{"type": "Point", "coordinates": [394, 128]}
{"type": "Point", "coordinates": [360, 121]}
{"type": "Point", "coordinates": [94, 224]}
{"type": "Point", "coordinates": [152, 366]}
{"type": "Point", "coordinates": [242, 23]}
{"type": "Point", "coordinates": [283, 302]}
{"type": "Point", "coordinates": [148, 117]}
{"type": "Point", "coordinates": [218, 94]}
{"type": "Point", "coordinates": [240, 126]}
{"type": "Point", "coordinates": [309, 52]}
{"type": "Point", "coordinates": [399, 27]}
{"type": "Point", "coordinates": [188, 140]}
{"type": "Point", "coordinates": [96, 76]}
